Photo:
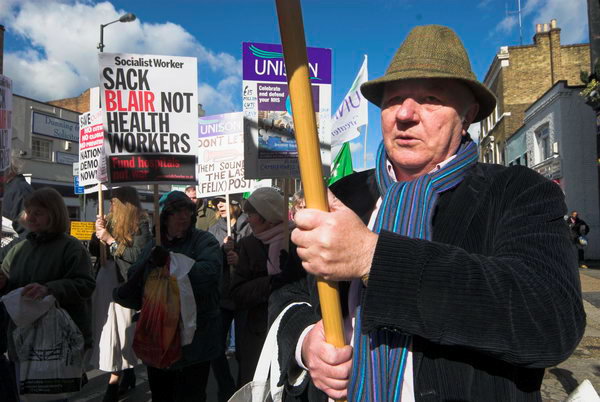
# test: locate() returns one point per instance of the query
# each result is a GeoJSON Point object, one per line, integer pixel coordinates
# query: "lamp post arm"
{"type": "Point", "coordinates": [101, 44]}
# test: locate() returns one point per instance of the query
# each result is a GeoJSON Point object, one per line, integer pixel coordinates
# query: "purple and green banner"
{"type": "Point", "coordinates": [270, 146]}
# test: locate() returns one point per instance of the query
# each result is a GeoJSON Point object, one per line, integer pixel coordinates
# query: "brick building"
{"type": "Point", "coordinates": [520, 75]}
{"type": "Point", "coordinates": [79, 104]}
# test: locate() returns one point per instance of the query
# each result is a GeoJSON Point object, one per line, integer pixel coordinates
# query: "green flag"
{"type": "Point", "coordinates": [342, 164]}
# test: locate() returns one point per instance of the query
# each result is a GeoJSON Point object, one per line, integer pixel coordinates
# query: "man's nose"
{"type": "Point", "coordinates": [407, 110]}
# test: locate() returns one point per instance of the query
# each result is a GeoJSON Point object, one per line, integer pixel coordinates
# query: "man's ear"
{"type": "Point", "coordinates": [469, 116]}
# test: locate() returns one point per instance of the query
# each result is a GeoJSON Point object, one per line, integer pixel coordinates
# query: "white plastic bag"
{"type": "Point", "coordinates": [180, 267]}
{"type": "Point", "coordinates": [24, 311]}
{"type": "Point", "coordinates": [585, 392]}
{"type": "Point", "coordinates": [263, 387]}
{"type": "Point", "coordinates": [49, 352]}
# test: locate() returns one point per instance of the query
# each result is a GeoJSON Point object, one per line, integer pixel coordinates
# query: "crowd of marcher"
{"type": "Point", "coordinates": [458, 279]}
{"type": "Point", "coordinates": [238, 250]}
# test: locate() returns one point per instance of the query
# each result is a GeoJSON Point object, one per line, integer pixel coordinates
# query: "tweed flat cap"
{"type": "Point", "coordinates": [432, 51]}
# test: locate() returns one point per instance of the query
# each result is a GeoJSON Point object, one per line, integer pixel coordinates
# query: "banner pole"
{"type": "Point", "coordinates": [156, 216]}
{"type": "Point", "coordinates": [365, 150]}
{"type": "Point", "coordinates": [228, 215]}
{"type": "Point", "coordinates": [286, 214]}
{"type": "Point", "coordinates": [296, 63]}
{"type": "Point", "coordinates": [101, 214]}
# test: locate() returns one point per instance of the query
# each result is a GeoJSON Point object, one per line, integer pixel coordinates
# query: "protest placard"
{"type": "Point", "coordinates": [221, 156]}
{"type": "Point", "coordinates": [150, 117]}
{"type": "Point", "coordinates": [92, 163]}
{"type": "Point", "coordinates": [5, 128]}
{"type": "Point", "coordinates": [82, 230]}
{"type": "Point", "coordinates": [270, 145]}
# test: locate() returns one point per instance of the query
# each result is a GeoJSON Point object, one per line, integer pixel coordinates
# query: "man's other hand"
{"type": "Point", "coordinates": [328, 366]}
{"type": "Point", "coordinates": [335, 245]}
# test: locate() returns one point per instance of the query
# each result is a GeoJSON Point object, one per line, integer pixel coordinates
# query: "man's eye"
{"type": "Point", "coordinates": [396, 100]}
{"type": "Point", "coordinates": [432, 100]}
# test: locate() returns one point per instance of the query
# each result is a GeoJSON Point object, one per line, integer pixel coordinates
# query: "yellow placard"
{"type": "Point", "coordinates": [82, 230]}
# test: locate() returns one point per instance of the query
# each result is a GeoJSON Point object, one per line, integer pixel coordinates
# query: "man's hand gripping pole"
{"type": "Point", "coordinates": [296, 64]}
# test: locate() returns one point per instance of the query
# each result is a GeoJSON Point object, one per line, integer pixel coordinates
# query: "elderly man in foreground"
{"type": "Point", "coordinates": [457, 278]}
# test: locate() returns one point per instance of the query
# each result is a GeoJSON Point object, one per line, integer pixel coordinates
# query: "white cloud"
{"type": "Point", "coordinates": [356, 147]}
{"type": "Point", "coordinates": [215, 101]}
{"type": "Point", "coordinates": [62, 60]}
{"type": "Point", "coordinates": [506, 25]}
{"type": "Point", "coordinates": [571, 16]}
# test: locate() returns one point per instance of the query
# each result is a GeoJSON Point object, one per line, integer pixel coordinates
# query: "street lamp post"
{"type": "Point", "coordinates": [124, 18]}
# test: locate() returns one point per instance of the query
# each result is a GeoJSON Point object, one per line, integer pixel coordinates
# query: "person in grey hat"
{"type": "Point", "coordinates": [257, 272]}
{"type": "Point", "coordinates": [457, 278]}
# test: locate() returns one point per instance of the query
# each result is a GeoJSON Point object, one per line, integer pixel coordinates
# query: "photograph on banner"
{"type": "Point", "coordinates": [221, 155]}
{"type": "Point", "coordinates": [92, 163]}
{"type": "Point", "coordinates": [5, 128]}
{"type": "Point", "coordinates": [269, 138]}
{"type": "Point", "coordinates": [150, 117]}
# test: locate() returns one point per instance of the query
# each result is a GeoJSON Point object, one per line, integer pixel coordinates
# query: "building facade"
{"type": "Point", "coordinates": [45, 144]}
{"type": "Point", "coordinates": [518, 76]}
{"type": "Point", "coordinates": [559, 133]}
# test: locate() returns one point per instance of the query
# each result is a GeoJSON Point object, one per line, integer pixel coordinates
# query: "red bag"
{"type": "Point", "coordinates": [157, 340]}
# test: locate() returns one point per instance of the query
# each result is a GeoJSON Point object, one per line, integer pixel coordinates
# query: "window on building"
{"type": "Point", "coordinates": [41, 149]}
{"type": "Point", "coordinates": [544, 147]}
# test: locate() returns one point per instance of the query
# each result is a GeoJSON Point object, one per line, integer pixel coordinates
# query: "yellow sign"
{"type": "Point", "coordinates": [82, 230]}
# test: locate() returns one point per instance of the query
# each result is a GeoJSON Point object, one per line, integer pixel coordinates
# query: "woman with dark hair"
{"type": "Point", "coordinates": [124, 232]}
{"type": "Point", "coordinates": [186, 378]}
{"type": "Point", "coordinates": [49, 261]}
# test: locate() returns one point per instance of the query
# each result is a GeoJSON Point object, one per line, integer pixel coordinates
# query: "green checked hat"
{"type": "Point", "coordinates": [432, 51]}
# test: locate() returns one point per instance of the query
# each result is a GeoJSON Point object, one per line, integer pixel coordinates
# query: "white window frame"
{"type": "Point", "coordinates": [38, 154]}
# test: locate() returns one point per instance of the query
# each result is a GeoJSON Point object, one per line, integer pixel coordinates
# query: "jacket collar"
{"type": "Point", "coordinates": [43, 237]}
{"type": "Point", "coordinates": [456, 219]}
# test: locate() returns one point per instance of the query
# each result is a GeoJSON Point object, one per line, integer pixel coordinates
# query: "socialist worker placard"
{"type": "Point", "coordinates": [150, 117]}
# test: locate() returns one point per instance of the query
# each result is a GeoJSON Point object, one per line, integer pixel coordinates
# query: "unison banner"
{"type": "Point", "coordinates": [221, 156]}
{"type": "Point", "coordinates": [92, 164]}
{"type": "Point", "coordinates": [150, 117]}
{"type": "Point", "coordinates": [270, 145]}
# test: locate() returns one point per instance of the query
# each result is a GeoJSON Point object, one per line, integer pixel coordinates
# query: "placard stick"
{"type": "Point", "coordinates": [101, 214]}
{"type": "Point", "coordinates": [228, 215]}
{"type": "Point", "coordinates": [156, 216]}
{"type": "Point", "coordinates": [286, 214]}
{"type": "Point", "coordinates": [296, 64]}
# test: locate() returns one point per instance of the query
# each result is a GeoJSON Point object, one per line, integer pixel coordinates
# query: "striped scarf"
{"type": "Point", "coordinates": [379, 359]}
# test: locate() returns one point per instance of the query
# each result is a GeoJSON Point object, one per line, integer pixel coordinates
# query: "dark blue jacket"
{"type": "Point", "coordinates": [205, 277]}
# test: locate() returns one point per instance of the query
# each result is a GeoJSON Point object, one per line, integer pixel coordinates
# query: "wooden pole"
{"type": "Point", "coordinates": [305, 124]}
{"type": "Point", "coordinates": [156, 216]}
{"type": "Point", "coordinates": [101, 213]}
{"type": "Point", "coordinates": [286, 214]}
{"type": "Point", "coordinates": [228, 215]}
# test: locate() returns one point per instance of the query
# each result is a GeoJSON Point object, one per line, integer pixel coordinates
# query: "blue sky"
{"type": "Point", "coordinates": [50, 45]}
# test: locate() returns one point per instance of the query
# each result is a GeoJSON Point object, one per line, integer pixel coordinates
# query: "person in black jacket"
{"type": "Point", "coordinates": [457, 279]}
{"type": "Point", "coordinates": [239, 229]}
{"type": "Point", "coordinates": [579, 229]}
